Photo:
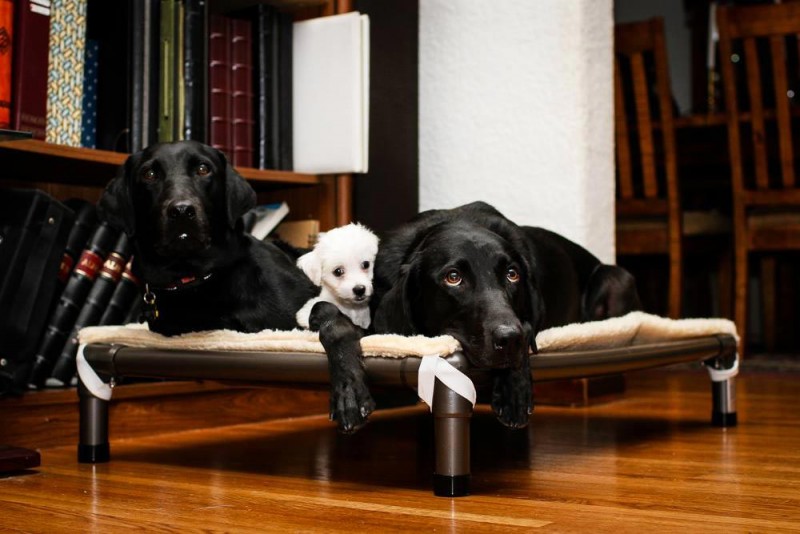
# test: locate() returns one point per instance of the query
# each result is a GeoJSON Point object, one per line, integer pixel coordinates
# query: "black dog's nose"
{"type": "Point", "coordinates": [359, 291]}
{"type": "Point", "coordinates": [504, 335]}
{"type": "Point", "coordinates": [181, 209]}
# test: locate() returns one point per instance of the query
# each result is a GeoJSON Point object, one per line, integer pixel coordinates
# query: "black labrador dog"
{"type": "Point", "coordinates": [471, 273]}
{"type": "Point", "coordinates": [181, 203]}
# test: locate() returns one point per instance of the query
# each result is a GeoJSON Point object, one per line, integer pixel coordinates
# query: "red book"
{"type": "Point", "coordinates": [242, 99]}
{"type": "Point", "coordinates": [6, 47]}
{"type": "Point", "coordinates": [219, 81]}
{"type": "Point", "coordinates": [32, 40]}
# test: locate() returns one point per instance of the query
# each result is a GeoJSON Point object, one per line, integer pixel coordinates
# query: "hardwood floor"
{"type": "Point", "coordinates": [649, 462]}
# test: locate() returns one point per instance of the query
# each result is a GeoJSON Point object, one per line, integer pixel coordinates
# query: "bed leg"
{"type": "Point", "coordinates": [723, 370]}
{"type": "Point", "coordinates": [452, 414]}
{"type": "Point", "coordinates": [93, 445]}
{"type": "Point", "coordinates": [723, 412]}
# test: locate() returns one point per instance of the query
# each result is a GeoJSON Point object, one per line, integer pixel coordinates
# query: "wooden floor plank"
{"type": "Point", "coordinates": [649, 461]}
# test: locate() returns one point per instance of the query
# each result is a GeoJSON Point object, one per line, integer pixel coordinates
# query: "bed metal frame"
{"type": "Point", "coordinates": [451, 412]}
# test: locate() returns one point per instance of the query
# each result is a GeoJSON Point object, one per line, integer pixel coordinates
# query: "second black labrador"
{"type": "Point", "coordinates": [181, 203]}
{"type": "Point", "coordinates": [471, 273]}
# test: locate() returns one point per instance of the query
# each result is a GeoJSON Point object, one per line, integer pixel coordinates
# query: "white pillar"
{"type": "Point", "coordinates": [516, 108]}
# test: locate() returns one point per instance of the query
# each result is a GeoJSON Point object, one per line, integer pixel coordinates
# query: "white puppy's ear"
{"type": "Point", "coordinates": [311, 265]}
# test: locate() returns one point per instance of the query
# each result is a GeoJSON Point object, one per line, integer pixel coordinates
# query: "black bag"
{"type": "Point", "coordinates": [33, 233]}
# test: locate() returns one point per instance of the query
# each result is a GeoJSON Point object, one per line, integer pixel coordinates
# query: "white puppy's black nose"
{"type": "Point", "coordinates": [359, 290]}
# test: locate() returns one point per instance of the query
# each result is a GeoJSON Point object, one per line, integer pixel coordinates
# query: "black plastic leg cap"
{"type": "Point", "coordinates": [450, 486]}
{"type": "Point", "coordinates": [93, 454]}
{"type": "Point", "coordinates": [723, 419]}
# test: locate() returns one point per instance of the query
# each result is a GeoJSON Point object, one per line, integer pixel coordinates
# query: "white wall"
{"type": "Point", "coordinates": [516, 108]}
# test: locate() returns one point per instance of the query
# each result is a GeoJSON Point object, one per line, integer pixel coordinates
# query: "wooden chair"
{"type": "Point", "coordinates": [649, 215]}
{"type": "Point", "coordinates": [755, 43]}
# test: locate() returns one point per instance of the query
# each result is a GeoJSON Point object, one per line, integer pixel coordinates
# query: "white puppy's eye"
{"type": "Point", "coordinates": [338, 272]}
{"type": "Point", "coordinates": [365, 265]}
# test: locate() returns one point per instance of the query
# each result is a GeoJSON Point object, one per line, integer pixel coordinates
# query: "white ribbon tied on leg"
{"type": "Point", "coordinates": [433, 367]}
{"type": "Point", "coordinates": [93, 383]}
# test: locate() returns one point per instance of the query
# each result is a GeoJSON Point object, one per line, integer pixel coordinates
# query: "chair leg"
{"type": "Point", "coordinates": [452, 414]}
{"type": "Point", "coordinates": [740, 295]}
{"type": "Point", "coordinates": [768, 274]}
{"type": "Point", "coordinates": [675, 284]}
{"type": "Point", "coordinates": [93, 444]}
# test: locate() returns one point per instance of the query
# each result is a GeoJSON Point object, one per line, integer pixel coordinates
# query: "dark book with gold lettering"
{"type": "Point", "coordinates": [96, 302]}
{"type": "Point", "coordinates": [69, 305]}
{"type": "Point", "coordinates": [32, 38]}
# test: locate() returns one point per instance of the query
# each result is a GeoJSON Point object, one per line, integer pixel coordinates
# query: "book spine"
{"type": "Point", "coordinates": [85, 223]}
{"type": "Point", "coordinates": [285, 162]}
{"type": "Point", "coordinates": [195, 70]}
{"type": "Point", "coordinates": [219, 78]}
{"type": "Point", "coordinates": [63, 317]}
{"type": "Point", "coordinates": [122, 301]}
{"type": "Point", "coordinates": [89, 119]}
{"type": "Point", "coordinates": [150, 73]}
{"type": "Point", "coordinates": [138, 67]}
{"type": "Point", "coordinates": [32, 41]}
{"type": "Point", "coordinates": [166, 93]}
{"type": "Point", "coordinates": [65, 72]}
{"type": "Point", "coordinates": [179, 99]}
{"type": "Point", "coordinates": [262, 84]}
{"type": "Point", "coordinates": [91, 311]}
{"type": "Point", "coordinates": [6, 56]}
{"type": "Point", "coordinates": [242, 92]}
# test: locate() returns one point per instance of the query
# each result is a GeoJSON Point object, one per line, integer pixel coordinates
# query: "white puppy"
{"type": "Point", "coordinates": [341, 263]}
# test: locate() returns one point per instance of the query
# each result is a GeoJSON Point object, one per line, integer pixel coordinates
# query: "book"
{"type": "Point", "coordinates": [331, 94]}
{"type": "Point", "coordinates": [267, 218]}
{"type": "Point", "coordinates": [93, 307]}
{"type": "Point", "coordinates": [167, 88]}
{"type": "Point", "coordinates": [301, 234]}
{"type": "Point", "coordinates": [219, 79]}
{"type": "Point", "coordinates": [82, 229]}
{"type": "Point", "coordinates": [144, 66]}
{"type": "Point", "coordinates": [265, 76]}
{"type": "Point", "coordinates": [35, 229]}
{"type": "Point", "coordinates": [69, 304]}
{"type": "Point", "coordinates": [125, 295]}
{"type": "Point", "coordinates": [179, 99]}
{"type": "Point", "coordinates": [89, 112]}
{"type": "Point", "coordinates": [65, 72]}
{"type": "Point", "coordinates": [6, 57]}
{"type": "Point", "coordinates": [241, 106]}
{"type": "Point", "coordinates": [285, 91]}
{"type": "Point", "coordinates": [195, 70]}
{"type": "Point", "coordinates": [32, 38]}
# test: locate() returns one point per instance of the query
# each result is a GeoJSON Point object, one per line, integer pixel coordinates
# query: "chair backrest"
{"type": "Point", "coordinates": [647, 182]}
{"type": "Point", "coordinates": [759, 58]}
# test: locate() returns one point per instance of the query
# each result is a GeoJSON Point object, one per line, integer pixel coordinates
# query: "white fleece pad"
{"type": "Point", "coordinates": [636, 328]}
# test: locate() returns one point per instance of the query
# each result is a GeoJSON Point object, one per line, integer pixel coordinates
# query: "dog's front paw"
{"type": "Point", "coordinates": [351, 405]}
{"type": "Point", "coordinates": [512, 397]}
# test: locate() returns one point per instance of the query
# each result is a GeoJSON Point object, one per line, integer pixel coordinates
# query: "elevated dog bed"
{"type": "Point", "coordinates": [435, 367]}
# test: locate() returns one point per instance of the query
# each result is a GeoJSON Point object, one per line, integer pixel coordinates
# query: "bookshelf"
{"type": "Point", "coordinates": [66, 171]}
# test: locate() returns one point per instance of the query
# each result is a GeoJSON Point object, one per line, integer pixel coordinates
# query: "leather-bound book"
{"type": "Point", "coordinates": [69, 305]}
{"type": "Point", "coordinates": [242, 92]}
{"type": "Point", "coordinates": [144, 66]}
{"type": "Point", "coordinates": [32, 38]}
{"type": "Point", "coordinates": [285, 162]}
{"type": "Point", "coordinates": [219, 79]}
{"type": "Point", "coordinates": [126, 293]}
{"type": "Point", "coordinates": [82, 228]}
{"type": "Point", "coordinates": [6, 54]}
{"type": "Point", "coordinates": [265, 78]}
{"type": "Point", "coordinates": [195, 70]}
{"type": "Point", "coordinates": [96, 302]}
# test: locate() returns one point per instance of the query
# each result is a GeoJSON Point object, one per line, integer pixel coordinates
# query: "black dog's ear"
{"type": "Point", "coordinates": [115, 206]}
{"type": "Point", "coordinates": [395, 310]}
{"type": "Point", "coordinates": [239, 195]}
{"type": "Point", "coordinates": [610, 292]}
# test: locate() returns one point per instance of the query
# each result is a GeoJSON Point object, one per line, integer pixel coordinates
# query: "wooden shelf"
{"type": "Point", "coordinates": [35, 160]}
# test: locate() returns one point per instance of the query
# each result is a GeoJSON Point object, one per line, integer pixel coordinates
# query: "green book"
{"type": "Point", "coordinates": [166, 93]}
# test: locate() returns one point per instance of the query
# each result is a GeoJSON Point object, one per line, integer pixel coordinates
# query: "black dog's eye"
{"type": "Point", "coordinates": [338, 272]}
{"type": "Point", "coordinates": [203, 170]}
{"type": "Point", "coordinates": [453, 278]}
{"type": "Point", "coordinates": [365, 265]}
{"type": "Point", "coordinates": [149, 175]}
{"type": "Point", "coordinates": [512, 275]}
